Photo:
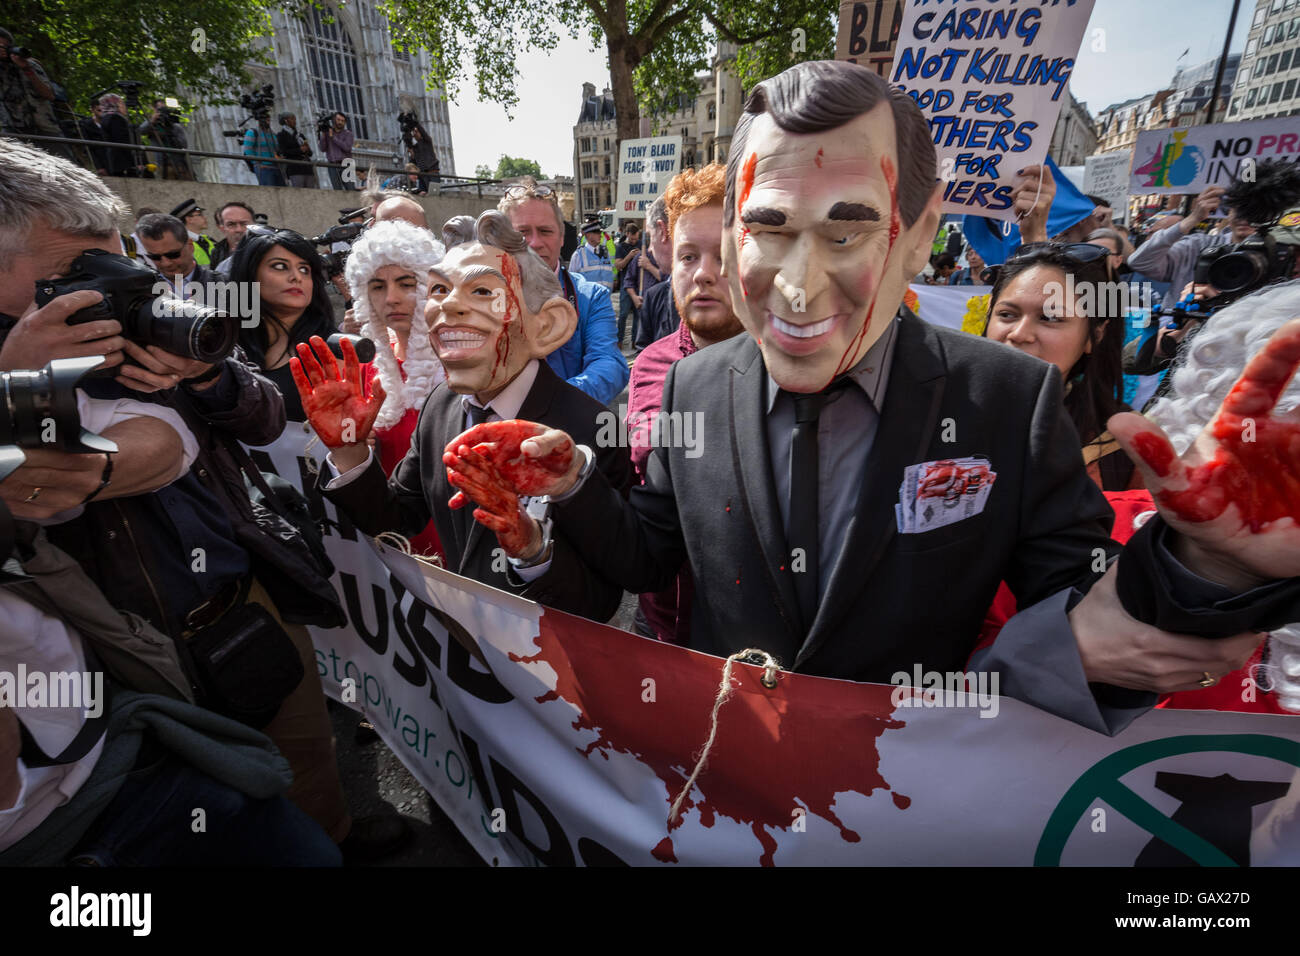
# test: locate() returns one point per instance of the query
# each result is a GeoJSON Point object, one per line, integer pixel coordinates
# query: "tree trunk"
{"type": "Point", "coordinates": [621, 66]}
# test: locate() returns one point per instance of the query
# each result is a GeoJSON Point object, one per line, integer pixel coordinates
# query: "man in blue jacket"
{"type": "Point", "coordinates": [591, 359]}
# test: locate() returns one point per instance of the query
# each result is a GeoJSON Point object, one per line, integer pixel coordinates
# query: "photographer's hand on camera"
{"type": "Point", "coordinates": [1202, 206]}
{"type": "Point", "coordinates": [44, 334]}
{"type": "Point", "coordinates": [156, 370]}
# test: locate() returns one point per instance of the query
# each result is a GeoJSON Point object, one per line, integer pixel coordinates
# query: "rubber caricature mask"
{"type": "Point", "coordinates": [493, 306]}
{"type": "Point", "coordinates": [821, 232]}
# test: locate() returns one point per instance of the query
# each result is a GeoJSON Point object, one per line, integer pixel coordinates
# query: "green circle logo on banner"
{"type": "Point", "coordinates": [1101, 782]}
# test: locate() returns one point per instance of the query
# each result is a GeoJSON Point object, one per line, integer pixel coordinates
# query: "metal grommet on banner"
{"type": "Point", "coordinates": [750, 655]}
{"type": "Point", "coordinates": [395, 540]}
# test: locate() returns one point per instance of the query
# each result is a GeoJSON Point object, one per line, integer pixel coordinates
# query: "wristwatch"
{"type": "Point", "coordinates": [539, 509]}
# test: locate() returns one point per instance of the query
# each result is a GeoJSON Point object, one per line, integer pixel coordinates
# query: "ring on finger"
{"type": "Point", "coordinates": [1207, 680]}
{"type": "Point", "coordinates": [36, 493]}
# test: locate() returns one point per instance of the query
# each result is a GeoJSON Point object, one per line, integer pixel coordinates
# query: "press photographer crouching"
{"type": "Point", "coordinates": [103, 768]}
{"type": "Point", "coordinates": [216, 557]}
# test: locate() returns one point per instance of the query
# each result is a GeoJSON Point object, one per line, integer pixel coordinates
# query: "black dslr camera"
{"type": "Point", "coordinates": [1244, 266]}
{"type": "Point", "coordinates": [182, 328]}
{"type": "Point", "coordinates": [40, 411]}
{"type": "Point", "coordinates": [335, 261]}
{"type": "Point", "coordinates": [324, 121]}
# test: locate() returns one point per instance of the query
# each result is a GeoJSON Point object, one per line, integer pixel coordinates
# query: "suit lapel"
{"type": "Point", "coordinates": [912, 401]}
{"type": "Point", "coordinates": [450, 419]}
{"type": "Point", "coordinates": [752, 459]}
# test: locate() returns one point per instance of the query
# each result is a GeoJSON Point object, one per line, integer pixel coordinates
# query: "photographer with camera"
{"type": "Point", "coordinates": [26, 95]}
{"type": "Point", "coordinates": [202, 561]}
{"type": "Point", "coordinates": [259, 148]}
{"type": "Point", "coordinates": [1258, 250]}
{"type": "Point", "coordinates": [419, 150]}
{"type": "Point", "coordinates": [115, 128]}
{"type": "Point", "coordinates": [163, 127]}
{"type": "Point", "coordinates": [293, 145]}
{"type": "Point", "coordinates": [336, 142]}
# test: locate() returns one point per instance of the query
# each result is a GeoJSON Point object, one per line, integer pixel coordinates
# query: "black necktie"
{"type": "Point", "coordinates": [478, 414]}
{"type": "Point", "coordinates": [802, 530]}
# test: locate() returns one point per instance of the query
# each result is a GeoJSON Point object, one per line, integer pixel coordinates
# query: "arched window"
{"type": "Point", "coordinates": [713, 111]}
{"type": "Point", "coordinates": [334, 73]}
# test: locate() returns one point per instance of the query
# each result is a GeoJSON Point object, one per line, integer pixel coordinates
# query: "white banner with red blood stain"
{"type": "Point", "coordinates": [553, 740]}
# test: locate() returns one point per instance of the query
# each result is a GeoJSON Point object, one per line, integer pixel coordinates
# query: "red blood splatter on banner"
{"type": "Point", "coordinates": [775, 750]}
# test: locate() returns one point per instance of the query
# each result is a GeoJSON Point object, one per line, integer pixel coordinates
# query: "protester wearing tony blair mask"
{"type": "Point", "coordinates": [496, 310]}
{"type": "Point", "coordinates": [807, 520]}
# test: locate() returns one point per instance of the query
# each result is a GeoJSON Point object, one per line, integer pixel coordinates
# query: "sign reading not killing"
{"type": "Point", "coordinates": [989, 76]}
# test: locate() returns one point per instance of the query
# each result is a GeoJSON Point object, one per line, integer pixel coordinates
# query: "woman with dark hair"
{"type": "Point", "coordinates": [293, 302]}
{"type": "Point", "coordinates": [1035, 309]}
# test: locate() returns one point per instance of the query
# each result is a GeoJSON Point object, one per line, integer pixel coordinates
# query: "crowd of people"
{"type": "Point", "coordinates": [773, 306]}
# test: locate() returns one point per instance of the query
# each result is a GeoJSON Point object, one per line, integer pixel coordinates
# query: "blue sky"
{"type": "Point", "coordinates": [1143, 41]}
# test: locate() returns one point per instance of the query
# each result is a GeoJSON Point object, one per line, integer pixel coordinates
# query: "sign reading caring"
{"type": "Point", "coordinates": [989, 76]}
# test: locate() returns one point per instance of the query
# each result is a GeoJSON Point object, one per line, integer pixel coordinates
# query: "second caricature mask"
{"type": "Point", "coordinates": [388, 273]}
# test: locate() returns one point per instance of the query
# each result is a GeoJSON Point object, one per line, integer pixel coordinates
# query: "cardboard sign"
{"type": "Point", "coordinates": [989, 76]}
{"type": "Point", "coordinates": [868, 33]}
{"type": "Point", "coordinates": [1106, 175]}
{"type": "Point", "coordinates": [645, 167]}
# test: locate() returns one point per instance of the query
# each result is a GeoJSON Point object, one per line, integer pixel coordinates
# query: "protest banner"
{"type": "Point", "coordinates": [1106, 175]}
{"type": "Point", "coordinates": [645, 167]}
{"type": "Point", "coordinates": [989, 77]}
{"type": "Point", "coordinates": [552, 740]}
{"type": "Point", "coordinates": [1188, 159]}
{"type": "Point", "coordinates": [868, 33]}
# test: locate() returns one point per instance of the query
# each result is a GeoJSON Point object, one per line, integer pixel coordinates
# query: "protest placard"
{"type": "Point", "coordinates": [1188, 159]}
{"type": "Point", "coordinates": [645, 167]}
{"type": "Point", "coordinates": [1106, 175]}
{"type": "Point", "coordinates": [868, 33]}
{"type": "Point", "coordinates": [989, 77]}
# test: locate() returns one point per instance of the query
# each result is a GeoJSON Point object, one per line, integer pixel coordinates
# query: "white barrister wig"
{"type": "Point", "coordinates": [397, 243]}
{"type": "Point", "coordinates": [1206, 372]}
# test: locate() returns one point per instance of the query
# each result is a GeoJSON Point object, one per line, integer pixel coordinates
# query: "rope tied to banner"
{"type": "Point", "coordinates": [750, 655]}
{"type": "Point", "coordinates": [395, 540]}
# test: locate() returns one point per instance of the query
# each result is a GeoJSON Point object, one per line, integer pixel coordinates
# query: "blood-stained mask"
{"type": "Point", "coordinates": [822, 232]}
{"type": "Point", "coordinates": [493, 306]}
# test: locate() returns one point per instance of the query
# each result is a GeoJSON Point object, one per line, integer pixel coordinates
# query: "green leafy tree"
{"type": "Point", "coordinates": [510, 166]}
{"type": "Point", "coordinates": [655, 47]}
{"type": "Point", "coordinates": [87, 46]}
{"type": "Point", "coordinates": [484, 171]}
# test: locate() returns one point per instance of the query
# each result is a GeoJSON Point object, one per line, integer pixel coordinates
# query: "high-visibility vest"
{"type": "Point", "coordinates": [203, 247]}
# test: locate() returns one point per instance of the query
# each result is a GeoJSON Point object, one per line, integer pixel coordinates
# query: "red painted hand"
{"type": "Point", "coordinates": [1234, 496]}
{"type": "Point", "coordinates": [530, 459]}
{"type": "Point", "coordinates": [336, 404]}
{"type": "Point", "coordinates": [498, 505]}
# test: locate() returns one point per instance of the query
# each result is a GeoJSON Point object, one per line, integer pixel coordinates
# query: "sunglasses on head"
{"type": "Point", "coordinates": [1078, 253]}
{"type": "Point", "coordinates": [176, 254]}
{"type": "Point", "coordinates": [518, 191]}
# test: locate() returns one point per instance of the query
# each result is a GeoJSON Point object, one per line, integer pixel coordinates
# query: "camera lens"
{"type": "Point", "coordinates": [1239, 270]}
{"type": "Point", "coordinates": [184, 328]}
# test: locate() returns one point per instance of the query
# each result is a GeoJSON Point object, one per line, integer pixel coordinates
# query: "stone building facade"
{"type": "Point", "coordinates": [1268, 83]}
{"type": "Point", "coordinates": [339, 58]}
{"type": "Point", "coordinates": [1074, 137]}
{"type": "Point", "coordinates": [705, 123]}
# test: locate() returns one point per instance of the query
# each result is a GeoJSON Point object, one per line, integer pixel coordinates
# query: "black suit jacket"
{"type": "Point", "coordinates": [892, 600]}
{"type": "Point", "coordinates": [419, 490]}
